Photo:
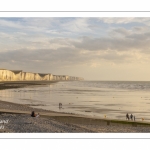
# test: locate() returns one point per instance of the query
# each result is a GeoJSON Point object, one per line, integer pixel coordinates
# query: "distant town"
{"type": "Point", "coordinates": [19, 75]}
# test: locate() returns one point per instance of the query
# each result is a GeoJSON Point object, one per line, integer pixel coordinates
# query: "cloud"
{"type": "Point", "coordinates": [127, 41]}
{"type": "Point", "coordinates": [10, 24]}
{"type": "Point", "coordinates": [77, 25]}
{"type": "Point", "coordinates": [125, 20]}
{"type": "Point", "coordinates": [50, 44]}
{"type": "Point", "coordinates": [62, 57]}
{"type": "Point", "coordinates": [120, 31]}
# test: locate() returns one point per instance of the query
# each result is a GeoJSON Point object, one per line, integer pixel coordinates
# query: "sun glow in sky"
{"type": "Point", "coordinates": [92, 48]}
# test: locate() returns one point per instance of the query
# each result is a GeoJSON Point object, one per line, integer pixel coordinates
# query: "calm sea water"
{"type": "Point", "coordinates": [110, 99]}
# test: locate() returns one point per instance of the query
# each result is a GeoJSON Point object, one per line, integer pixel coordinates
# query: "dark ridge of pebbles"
{"type": "Point", "coordinates": [23, 123]}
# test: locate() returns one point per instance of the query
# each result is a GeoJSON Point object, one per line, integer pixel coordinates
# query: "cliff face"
{"type": "Point", "coordinates": [18, 75]}
{"type": "Point", "coordinates": [7, 75]}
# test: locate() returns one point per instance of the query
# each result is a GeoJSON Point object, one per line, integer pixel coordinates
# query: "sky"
{"type": "Point", "coordinates": [93, 48]}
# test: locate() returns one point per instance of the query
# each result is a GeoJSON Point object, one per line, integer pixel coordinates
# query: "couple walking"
{"type": "Point", "coordinates": [131, 117]}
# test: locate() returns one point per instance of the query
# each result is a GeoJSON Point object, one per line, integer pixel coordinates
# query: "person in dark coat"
{"type": "Point", "coordinates": [131, 116]}
{"type": "Point", "coordinates": [33, 114]}
{"type": "Point", "coordinates": [60, 105]}
{"type": "Point", "coordinates": [127, 116]}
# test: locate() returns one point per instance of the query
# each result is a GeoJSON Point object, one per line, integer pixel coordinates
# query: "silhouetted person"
{"type": "Point", "coordinates": [131, 116]}
{"type": "Point", "coordinates": [60, 105]}
{"type": "Point", "coordinates": [134, 118]}
{"type": "Point", "coordinates": [33, 114]}
{"type": "Point", "coordinates": [127, 116]}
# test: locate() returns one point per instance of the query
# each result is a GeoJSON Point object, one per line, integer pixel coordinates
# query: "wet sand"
{"type": "Point", "coordinates": [22, 84]}
{"type": "Point", "coordinates": [19, 120]}
{"type": "Point", "coordinates": [15, 118]}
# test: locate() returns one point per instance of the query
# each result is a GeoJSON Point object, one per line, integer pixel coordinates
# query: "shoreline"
{"type": "Point", "coordinates": [77, 123]}
{"type": "Point", "coordinates": [21, 84]}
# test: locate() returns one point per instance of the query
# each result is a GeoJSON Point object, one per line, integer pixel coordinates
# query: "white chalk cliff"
{"type": "Point", "coordinates": [19, 75]}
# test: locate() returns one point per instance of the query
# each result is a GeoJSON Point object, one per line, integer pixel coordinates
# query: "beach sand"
{"type": "Point", "coordinates": [15, 118]}
{"type": "Point", "coordinates": [18, 120]}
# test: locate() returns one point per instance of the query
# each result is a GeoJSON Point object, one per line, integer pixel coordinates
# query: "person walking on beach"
{"type": "Point", "coordinates": [60, 105]}
{"type": "Point", "coordinates": [127, 116]}
{"type": "Point", "coordinates": [131, 116]}
{"type": "Point", "coordinates": [134, 117]}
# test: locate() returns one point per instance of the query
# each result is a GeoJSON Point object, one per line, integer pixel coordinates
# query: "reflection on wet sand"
{"type": "Point", "coordinates": [76, 98]}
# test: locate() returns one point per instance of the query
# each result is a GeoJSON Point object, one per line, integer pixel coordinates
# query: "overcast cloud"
{"type": "Point", "coordinates": [92, 48]}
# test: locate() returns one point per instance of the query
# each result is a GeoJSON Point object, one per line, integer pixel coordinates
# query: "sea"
{"type": "Point", "coordinates": [100, 99]}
